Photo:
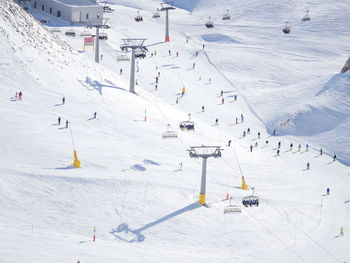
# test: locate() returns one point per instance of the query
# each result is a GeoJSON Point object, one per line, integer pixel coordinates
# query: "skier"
{"type": "Point", "coordinates": [209, 80]}
{"type": "Point", "coordinates": [194, 65]}
{"type": "Point", "coordinates": [101, 56]}
{"type": "Point", "coordinates": [236, 120]}
{"type": "Point", "coordinates": [251, 148]}
{"type": "Point", "coordinates": [169, 52]}
{"type": "Point", "coordinates": [242, 118]}
{"type": "Point", "coordinates": [321, 151]}
{"type": "Point", "coordinates": [342, 231]}
{"type": "Point", "coordinates": [216, 121]}
{"type": "Point", "coordinates": [186, 40]}
{"type": "Point", "coordinates": [156, 79]}
{"type": "Point", "coordinates": [278, 152]}
{"type": "Point", "coordinates": [248, 131]}
{"type": "Point", "coordinates": [183, 92]}
{"type": "Point", "coordinates": [267, 143]}
{"type": "Point", "coordinates": [307, 147]}
{"type": "Point", "coordinates": [222, 101]}
{"type": "Point", "coordinates": [180, 166]}
{"type": "Point", "coordinates": [20, 94]}
{"type": "Point", "coordinates": [120, 71]}
{"type": "Point", "coordinates": [274, 132]}
{"type": "Point", "coordinates": [203, 108]}
{"type": "Point", "coordinates": [221, 93]}
{"type": "Point", "coordinates": [291, 146]}
{"type": "Point", "coordinates": [235, 97]}
{"type": "Point", "coordinates": [16, 95]}
{"type": "Point", "coordinates": [95, 113]}
{"type": "Point", "coordinates": [155, 52]}
{"type": "Point", "coordinates": [59, 120]}
{"type": "Point", "coordinates": [328, 191]}
{"type": "Point", "coordinates": [177, 100]}
{"type": "Point", "coordinates": [308, 166]}
{"type": "Point", "coordinates": [256, 144]}
{"type": "Point", "coordinates": [203, 46]}
{"type": "Point", "coordinates": [258, 135]}
{"type": "Point", "coordinates": [67, 123]}
{"type": "Point", "coordinates": [196, 53]}
{"type": "Point", "coordinates": [229, 143]}
{"type": "Point", "coordinates": [299, 147]}
{"type": "Point", "coordinates": [63, 100]}
{"type": "Point", "coordinates": [177, 53]}
{"type": "Point", "coordinates": [158, 74]}
{"type": "Point", "coordinates": [334, 157]}
{"type": "Point", "coordinates": [279, 144]}
{"type": "Point", "coordinates": [243, 134]}
{"type": "Point", "coordinates": [156, 87]}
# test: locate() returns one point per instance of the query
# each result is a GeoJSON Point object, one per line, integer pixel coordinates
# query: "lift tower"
{"type": "Point", "coordinates": [133, 44]}
{"type": "Point", "coordinates": [204, 152]}
{"type": "Point", "coordinates": [97, 23]}
{"type": "Point", "coordinates": [166, 6]}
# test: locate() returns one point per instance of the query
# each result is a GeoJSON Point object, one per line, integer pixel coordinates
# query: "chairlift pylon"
{"type": "Point", "coordinates": [138, 18]}
{"type": "Point", "coordinates": [306, 17]}
{"type": "Point", "coordinates": [286, 29]}
{"type": "Point", "coordinates": [232, 208]}
{"type": "Point", "coordinates": [226, 16]}
{"type": "Point", "coordinates": [169, 133]}
{"type": "Point", "coordinates": [209, 24]}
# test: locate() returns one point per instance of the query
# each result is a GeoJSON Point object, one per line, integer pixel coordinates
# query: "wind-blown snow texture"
{"type": "Point", "coordinates": [130, 187]}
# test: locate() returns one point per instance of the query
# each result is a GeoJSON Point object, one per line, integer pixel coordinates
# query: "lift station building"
{"type": "Point", "coordinates": [74, 11]}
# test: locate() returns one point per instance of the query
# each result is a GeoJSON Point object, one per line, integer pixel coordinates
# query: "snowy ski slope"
{"type": "Point", "coordinates": [130, 187]}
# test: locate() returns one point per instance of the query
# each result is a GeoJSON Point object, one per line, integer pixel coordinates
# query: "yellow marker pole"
{"type": "Point", "coordinates": [244, 185]}
{"type": "Point", "coordinates": [76, 161]}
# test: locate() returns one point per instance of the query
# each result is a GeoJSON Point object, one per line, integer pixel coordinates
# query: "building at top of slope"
{"type": "Point", "coordinates": [74, 11]}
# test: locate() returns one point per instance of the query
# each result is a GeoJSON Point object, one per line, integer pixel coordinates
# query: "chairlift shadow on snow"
{"type": "Point", "coordinates": [58, 104]}
{"type": "Point", "coordinates": [69, 167]}
{"type": "Point", "coordinates": [54, 124]}
{"type": "Point", "coordinates": [138, 167]}
{"type": "Point", "coordinates": [63, 128]}
{"type": "Point", "coordinates": [136, 235]}
{"type": "Point", "coordinates": [150, 162]}
{"type": "Point", "coordinates": [347, 201]}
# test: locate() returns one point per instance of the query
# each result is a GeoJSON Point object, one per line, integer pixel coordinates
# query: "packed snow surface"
{"type": "Point", "coordinates": [131, 186]}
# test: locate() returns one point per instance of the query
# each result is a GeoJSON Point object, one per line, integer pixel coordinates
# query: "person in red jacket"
{"type": "Point", "coordinates": [20, 95]}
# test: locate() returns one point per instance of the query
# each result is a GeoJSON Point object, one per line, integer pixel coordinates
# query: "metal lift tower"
{"type": "Point", "coordinates": [166, 6]}
{"type": "Point", "coordinates": [204, 152]}
{"type": "Point", "coordinates": [97, 23]}
{"type": "Point", "coordinates": [133, 44]}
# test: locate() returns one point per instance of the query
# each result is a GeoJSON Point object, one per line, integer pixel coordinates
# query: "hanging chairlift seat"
{"type": "Point", "coordinates": [140, 54]}
{"type": "Point", "coordinates": [103, 36]}
{"type": "Point", "coordinates": [123, 57]}
{"type": "Point", "coordinates": [85, 33]}
{"type": "Point", "coordinates": [306, 18]}
{"type": "Point", "coordinates": [138, 18]}
{"type": "Point", "coordinates": [232, 208]}
{"type": "Point", "coordinates": [169, 133]}
{"type": "Point", "coordinates": [156, 15]}
{"type": "Point", "coordinates": [286, 29]}
{"type": "Point", "coordinates": [209, 24]}
{"type": "Point", "coordinates": [251, 200]}
{"type": "Point", "coordinates": [187, 126]}
{"type": "Point", "coordinates": [70, 33]}
{"type": "Point", "coordinates": [226, 16]}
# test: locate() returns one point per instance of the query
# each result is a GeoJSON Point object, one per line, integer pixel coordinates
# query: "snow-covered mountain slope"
{"type": "Point", "coordinates": [129, 186]}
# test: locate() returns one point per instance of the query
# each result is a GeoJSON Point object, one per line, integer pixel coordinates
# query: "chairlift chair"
{"type": "Point", "coordinates": [209, 24]}
{"type": "Point", "coordinates": [232, 208]}
{"type": "Point", "coordinates": [85, 33]}
{"type": "Point", "coordinates": [140, 53]}
{"type": "Point", "coordinates": [123, 57]}
{"type": "Point", "coordinates": [103, 36]}
{"type": "Point", "coordinates": [70, 33]}
{"type": "Point", "coordinates": [286, 29]}
{"type": "Point", "coordinates": [187, 125]}
{"type": "Point", "coordinates": [251, 200]}
{"type": "Point", "coordinates": [169, 133]}
{"type": "Point", "coordinates": [226, 16]}
{"type": "Point", "coordinates": [306, 17]}
{"type": "Point", "coordinates": [156, 14]}
{"type": "Point", "coordinates": [138, 18]}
